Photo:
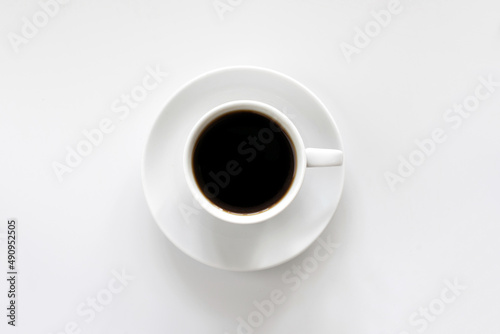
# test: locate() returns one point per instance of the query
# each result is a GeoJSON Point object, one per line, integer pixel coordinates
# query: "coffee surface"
{"type": "Point", "coordinates": [243, 162]}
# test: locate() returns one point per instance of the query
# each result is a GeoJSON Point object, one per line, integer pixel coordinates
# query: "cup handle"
{"type": "Point", "coordinates": [321, 157]}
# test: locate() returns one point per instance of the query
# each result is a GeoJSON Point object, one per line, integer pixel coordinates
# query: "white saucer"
{"type": "Point", "coordinates": [218, 243]}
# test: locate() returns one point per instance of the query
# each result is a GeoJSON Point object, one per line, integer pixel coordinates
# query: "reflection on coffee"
{"type": "Point", "coordinates": [243, 162]}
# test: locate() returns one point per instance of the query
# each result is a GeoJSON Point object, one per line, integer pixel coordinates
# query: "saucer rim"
{"type": "Point", "coordinates": [221, 70]}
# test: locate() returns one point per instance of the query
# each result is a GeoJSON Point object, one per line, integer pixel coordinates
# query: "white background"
{"type": "Point", "coordinates": [396, 247]}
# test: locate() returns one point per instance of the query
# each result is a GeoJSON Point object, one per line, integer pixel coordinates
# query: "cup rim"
{"type": "Point", "coordinates": [298, 147]}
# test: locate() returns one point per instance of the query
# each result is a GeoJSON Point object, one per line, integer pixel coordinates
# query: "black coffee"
{"type": "Point", "coordinates": [243, 162]}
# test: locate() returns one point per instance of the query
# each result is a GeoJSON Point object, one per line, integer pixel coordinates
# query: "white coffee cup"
{"type": "Point", "coordinates": [304, 157]}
